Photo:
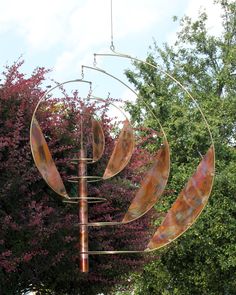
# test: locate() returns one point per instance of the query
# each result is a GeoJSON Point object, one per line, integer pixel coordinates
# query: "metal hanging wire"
{"type": "Point", "coordinates": [112, 46]}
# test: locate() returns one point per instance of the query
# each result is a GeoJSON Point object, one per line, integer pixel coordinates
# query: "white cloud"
{"type": "Point", "coordinates": [213, 23]}
{"type": "Point", "coordinates": [89, 27]}
{"type": "Point", "coordinates": [70, 31]}
{"type": "Point", "coordinates": [41, 23]}
{"type": "Point", "coordinates": [213, 11]}
{"type": "Point", "coordinates": [76, 23]}
{"type": "Point", "coordinates": [128, 95]}
{"type": "Point", "coordinates": [73, 27]}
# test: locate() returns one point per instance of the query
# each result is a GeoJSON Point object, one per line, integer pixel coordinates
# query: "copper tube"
{"type": "Point", "coordinates": [83, 212]}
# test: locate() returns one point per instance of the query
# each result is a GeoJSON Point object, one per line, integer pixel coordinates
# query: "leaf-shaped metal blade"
{"type": "Point", "coordinates": [122, 152]}
{"type": "Point", "coordinates": [189, 204]}
{"type": "Point", "coordinates": [152, 186]}
{"type": "Point", "coordinates": [43, 160]}
{"type": "Point", "coordinates": [98, 140]}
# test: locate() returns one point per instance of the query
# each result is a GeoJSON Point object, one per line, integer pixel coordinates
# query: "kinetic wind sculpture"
{"type": "Point", "coordinates": [184, 211]}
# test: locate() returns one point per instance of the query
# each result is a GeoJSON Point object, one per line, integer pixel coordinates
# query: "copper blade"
{"type": "Point", "coordinates": [152, 186]}
{"type": "Point", "coordinates": [98, 140]}
{"type": "Point", "coordinates": [189, 204]}
{"type": "Point", "coordinates": [122, 152]}
{"type": "Point", "coordinates": [43, 160]}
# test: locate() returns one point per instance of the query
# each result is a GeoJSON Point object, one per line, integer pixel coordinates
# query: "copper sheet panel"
{"type": "Point", "coordinates": [43, 160]}
{"type": "Point", "coordinates": [152, 186]}
{"type": "Point", "coordinates": [98, 140]}
{"type": "Point", "coordinates": [122, 152]}
{"type": "Point", "coordinates": [188, 205]}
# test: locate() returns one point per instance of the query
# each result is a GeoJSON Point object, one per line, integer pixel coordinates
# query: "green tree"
{"type": "Point", "coordinates": [203, 260]}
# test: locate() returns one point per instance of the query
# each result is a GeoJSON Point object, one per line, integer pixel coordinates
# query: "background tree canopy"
{"type": "Point", "coordinates": [203, 260]}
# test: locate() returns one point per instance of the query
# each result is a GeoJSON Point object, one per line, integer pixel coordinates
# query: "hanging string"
{"type": "Point", "coordinates": [112, 47]}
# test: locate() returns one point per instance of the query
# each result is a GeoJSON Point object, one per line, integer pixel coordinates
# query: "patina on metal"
{"type": "Point", "coordinates": [189, 204]}
{"type": "Point", "coordinates": [122, 152]}
{"type": "Point", "coordinates": [43, 160]}
{"type": "Point", "coordinates": [152, 187]}
{"type": "Point", "coordinates": [98, 140]}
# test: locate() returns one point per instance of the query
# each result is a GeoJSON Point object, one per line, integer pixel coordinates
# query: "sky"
{"type": "Point", "coordinates": [62, 35]}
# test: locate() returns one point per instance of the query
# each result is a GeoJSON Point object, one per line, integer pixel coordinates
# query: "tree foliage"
{"type": "Point", "coordinates": [39, 236]}
{"type": "Point", "coordinates": [203, 260]}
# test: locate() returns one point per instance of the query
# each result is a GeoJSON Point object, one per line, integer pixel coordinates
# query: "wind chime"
{"type": "Point", "coordinates": [185, 209]}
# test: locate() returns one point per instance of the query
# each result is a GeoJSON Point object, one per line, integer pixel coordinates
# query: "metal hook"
{"type": "Point", "coordinates": [112, 47]}
{"type": "Point", "coordinates": [82, 72]}
{"type": "Point", "coordinates": [90, 90]}
{"type": "Point", "coordinates": [95, 60]}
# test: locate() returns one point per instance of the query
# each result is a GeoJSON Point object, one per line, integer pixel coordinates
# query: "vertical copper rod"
{"type": "Point", "coordinates": [83, 211]}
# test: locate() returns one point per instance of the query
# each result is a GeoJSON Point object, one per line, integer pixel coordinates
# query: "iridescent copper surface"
{"type": "Point", "coordinates": [43, 160]}
{"type": "Point", "coordinates": [83, 212]}
{"type": "Point", "coordinates": [188, 205]}
{"type": "Point", "coordinates": [98, 140]}
{"type": "Point", "coordinates": [122, 152]}
{"type": "Point", "coordinates": [152, 186]}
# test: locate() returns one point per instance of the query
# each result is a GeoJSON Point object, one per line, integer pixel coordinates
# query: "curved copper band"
{"type": "Point", "coordinates": [189, 204]}
{"type": "Point", "coordinates": [113, 252]}
{"type": "Point", "coordinates": [122, 152]}
{"type": "Point", "coordinates": [98, 140]}
{"type": "Point", "coordinates": [152, 186]}
{"type": "Point", "coordinates": [43, 160]}
{"type": "Point", "coordinates": [76, 160]}
{"type": "Point", "coordinates": [75, 179]}
{"type": "Point", "coordinates": [89, 199]}
{"type": "Point", "coordinates": [101, 224]}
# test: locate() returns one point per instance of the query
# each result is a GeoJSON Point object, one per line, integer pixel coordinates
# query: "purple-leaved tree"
{"type": "Point", "coordinates": [38, 235]}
